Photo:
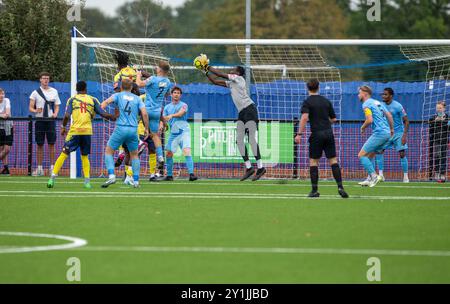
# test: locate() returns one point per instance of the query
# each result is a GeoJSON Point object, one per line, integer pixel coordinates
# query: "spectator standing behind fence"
{"type": "Point", "coordinates": [44, 102]}
{"type": "Point", "coordinates": [6, 131]}
{"type": "Point", "coordinates": [438, 135]}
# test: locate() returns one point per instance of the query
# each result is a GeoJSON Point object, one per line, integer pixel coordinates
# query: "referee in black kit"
{"type": "Point", "coordinates": [320, 113]}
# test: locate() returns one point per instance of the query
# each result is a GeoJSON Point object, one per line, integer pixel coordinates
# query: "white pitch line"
{"type": "Point", "coordinates": [244, 184]}
{"type": "Point", "coordinates": [370, 252]}
{"type": "Point", "coordinates": [74, 242]}
{"type": "Point", "coordinates": [201, 195]}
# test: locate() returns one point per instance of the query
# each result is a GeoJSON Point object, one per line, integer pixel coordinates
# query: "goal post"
{"type": "Point", "coordinates": [279, 70]}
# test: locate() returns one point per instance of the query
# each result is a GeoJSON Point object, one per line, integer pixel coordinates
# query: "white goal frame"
{"type": "Point", "coordinates": [243, 42]}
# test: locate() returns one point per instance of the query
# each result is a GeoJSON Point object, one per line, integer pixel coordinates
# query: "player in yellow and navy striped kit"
{"type": "Point", "coordinates": [82, 108]}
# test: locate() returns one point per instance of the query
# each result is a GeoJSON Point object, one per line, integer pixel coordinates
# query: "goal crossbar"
{"type": "Point", "coordinates": [265, 41]}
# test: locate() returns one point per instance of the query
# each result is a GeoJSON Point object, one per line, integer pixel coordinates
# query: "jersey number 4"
{"type": "Point", "coordinates": [127, 108]}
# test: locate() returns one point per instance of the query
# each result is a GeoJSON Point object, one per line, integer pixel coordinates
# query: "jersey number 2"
{"type": "Point", "coordinates": [161, 90]}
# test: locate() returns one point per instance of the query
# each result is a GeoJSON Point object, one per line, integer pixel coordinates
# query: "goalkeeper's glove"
{"type": "Point", "coordinates": [204, 61]}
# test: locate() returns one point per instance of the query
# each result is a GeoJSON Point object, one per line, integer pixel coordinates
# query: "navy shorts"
{"type": "Point", "coordinates": [78, 141]}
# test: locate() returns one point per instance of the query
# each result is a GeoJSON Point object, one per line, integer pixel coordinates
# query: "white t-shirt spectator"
{"type": "Point", "coordinates": [52, 97]}
{"type": "Point", "coordinates": [5, 124]}
{"type": "Point", "coordinates": [6, 104]}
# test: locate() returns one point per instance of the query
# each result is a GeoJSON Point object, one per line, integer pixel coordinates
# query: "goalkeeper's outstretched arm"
{"type": "Point", "coordinates": [217, 72]}
{"type": "Point", "coordinates": [216, 81]}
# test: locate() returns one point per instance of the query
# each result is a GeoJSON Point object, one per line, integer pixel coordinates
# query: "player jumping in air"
{"type": "Point", "coordinates": [320, 113]}
{"type": "Point", "coordinates": [82, 108]}
{"type": "Point", "coordinates": [125, 72]}
{"type": "Point", "coordinates": [248, 114]}
{"type": "Point", "coordinates": [382, 130]}
{"type": "Point", "coordinates": [156, 89]}
{"type": "Point", "coordinates": [180, 133]}
{"type": "Point", "coordinates": [401, 127]}
{"type": "Point", "coordinates": [125, 132]}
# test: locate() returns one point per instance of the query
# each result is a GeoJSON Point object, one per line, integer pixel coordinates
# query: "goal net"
{"type": "Point", "coordinates": [277, 76]}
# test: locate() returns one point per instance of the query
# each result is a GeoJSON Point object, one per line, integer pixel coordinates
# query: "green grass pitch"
{"type": "Point", "coordinates": [225, 231]}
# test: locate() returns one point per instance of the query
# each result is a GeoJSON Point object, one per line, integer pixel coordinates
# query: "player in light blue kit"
{"type": "Point", "coordinates": [401, 127]}
{"type": "Point", "coordinates": [130, 106]}
{"type": "Point", "coordinates": [180, 133]}
{"type": "Point", "coordinates": [156, 89]}
{"type": "Point", "coordinates": [382, 129]}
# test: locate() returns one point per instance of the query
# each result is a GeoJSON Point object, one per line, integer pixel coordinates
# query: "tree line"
{"type": "Point", "coordinates": [35, 34]}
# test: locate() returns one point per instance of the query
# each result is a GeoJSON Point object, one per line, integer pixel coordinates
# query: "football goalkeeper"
{"type": "Point", "coordinates": [248, 114]}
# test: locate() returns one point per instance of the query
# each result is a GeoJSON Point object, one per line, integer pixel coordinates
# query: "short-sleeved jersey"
{"type": "Point", "coordinates": [141, 127]}
{"type": "Point", "coordinates": [129, 106]}
{"type": "Point", "coordinates": [126, 73]}
{"type": "Point", "coordinates": [238, 90]}
{"type": "Point", "coordinates": [177, 124]}
{"type": "Point", "coordinates": [398, 112]}
{"type": "Point", "coordinates": [380, 124]}
{"type": "Point", "coordinates": [82, 107]}
{"type": "Point", "coordinates": [320, 111]}
{"type": "Point", "coordinates": [156, 88]}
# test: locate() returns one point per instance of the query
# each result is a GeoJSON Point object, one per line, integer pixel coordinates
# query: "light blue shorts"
{"type": "Point", "coordinates": [396, 142]}
{"type": "Point", "coordinates": [124, 135]}
{"type": "Point", "coordinates": [180, 139]}
{"type": "Point", "coordinates": [376, 143]}
{"type": "Point", "coordinates": [154, 117]}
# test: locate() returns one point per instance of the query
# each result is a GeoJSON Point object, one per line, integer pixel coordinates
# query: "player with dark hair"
{"type": "Point", "coordinates": [82, 108]}
{"type": "Point", "coordinates": [125, 72]}
{"type": "Point", "coordinates": [401, 127]}
{"type": "Point", "coordinates": [248, 114]}
{"type": "Point", "coordinates": [320, 113]}
{"type": "Point", "coordinates": [175, 113]}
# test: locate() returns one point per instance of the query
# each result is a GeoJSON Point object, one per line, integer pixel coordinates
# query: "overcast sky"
{"type": "Point", "coordinates": [109, 6]}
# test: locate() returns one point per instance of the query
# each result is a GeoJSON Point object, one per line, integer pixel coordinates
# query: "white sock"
{"type": "Point", "coordinates": [112, 176]}
{"type": "Point", "coordinates": [40, 168]}
{"type": "Point", "coordinates": [248, 164]}
{"type": "Point", "coordinates": [405, 175]}
{"type": "Point", "coordinates": [373, 175]}
{"type": "Point", "coordinates": [259, 163]}
{"type": "Point", "coordinates": [161, 159]}
{"type": "Point", "coordinates": [381, 172]}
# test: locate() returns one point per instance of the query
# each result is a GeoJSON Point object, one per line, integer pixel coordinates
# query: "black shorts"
{"type": "Point", "coordinates": [249, 113]}
{"type": "Point", "coordinates": [6, 140]}
{"type": "Point", "coordinates": [45, 129]}
{"type": "Point", "coordinates": [79, 141]}
{"type": "Point", "coordinates": [149, 141]}
{"type": "Point", "coordinates": [322, 141]}
{"type": "Point", "coordinates": [247, 116]}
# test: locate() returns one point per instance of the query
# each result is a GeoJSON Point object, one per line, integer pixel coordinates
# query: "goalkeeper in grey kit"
{"type": "Point", "coordinates": [248, 114]}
